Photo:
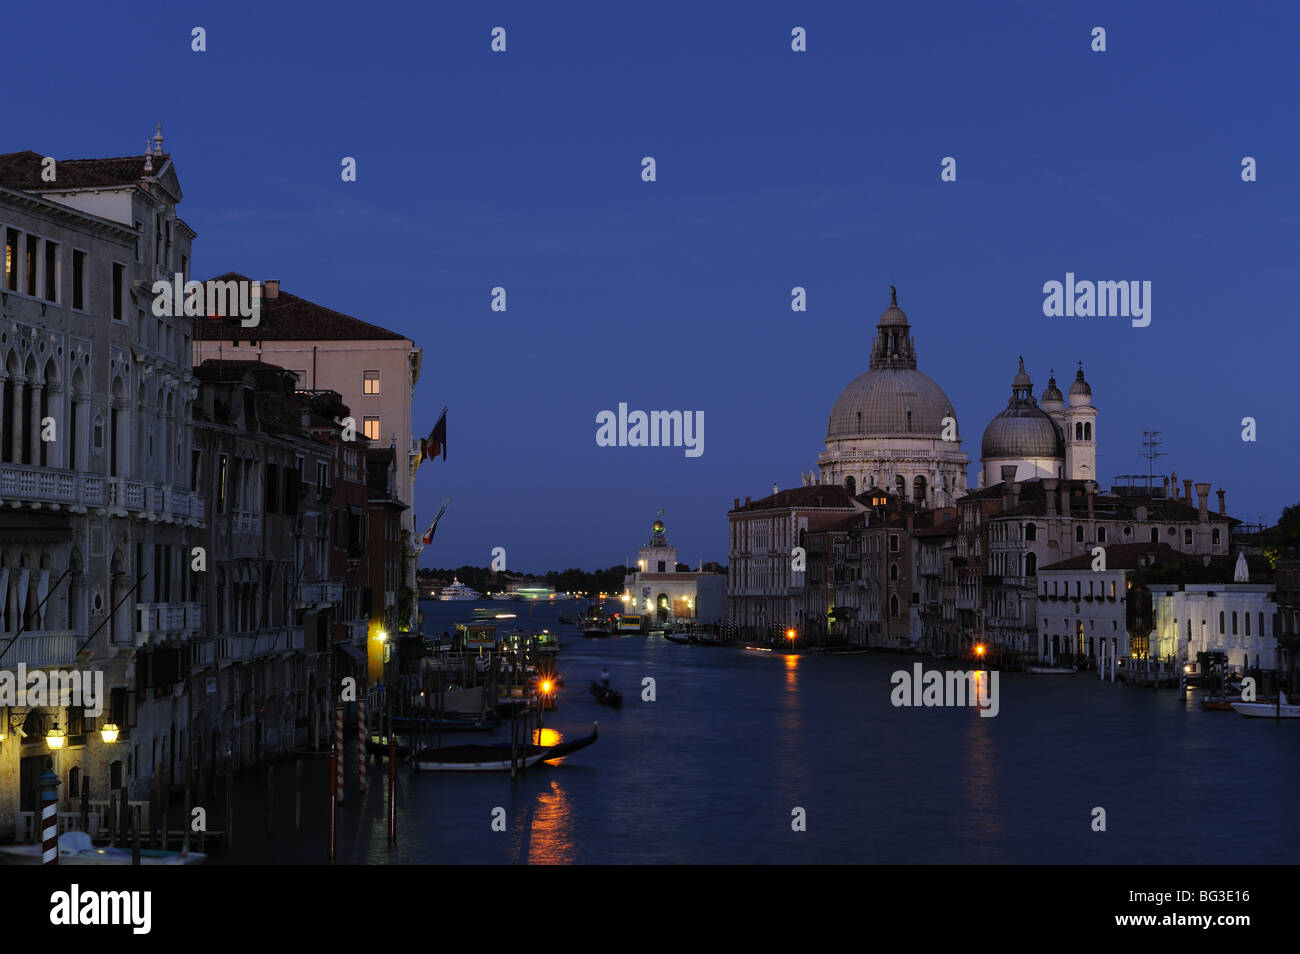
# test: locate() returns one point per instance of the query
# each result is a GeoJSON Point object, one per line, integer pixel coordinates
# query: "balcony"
{"type": "Point", "coordinates": [243, 522]}
{"type": "Point", "coordinates": [158, 621]}
{"type": "Point", "coordinates": [314, 594]}
{"type": "Point", "coordinates": [234, 649]}
{"type": "Point", "coordinates": [38, 650]}
{"type": "Point", "coordinates": [154, 501]}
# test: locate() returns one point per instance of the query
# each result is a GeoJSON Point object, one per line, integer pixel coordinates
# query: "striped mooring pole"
{"type": "Point", "coordinates": [338, 747]}
{"type": "Point", "coordinates": [361, 741]}
{"type": "Point", "coordinates": [49, 783]}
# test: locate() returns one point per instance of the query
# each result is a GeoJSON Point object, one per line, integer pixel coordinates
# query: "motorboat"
{"type": "Point", "coordinates": [1281, 709]}
{"type": "Point", "coordinates": [457, 590]}
{"type": "Point", "coordinates": [76, 848]}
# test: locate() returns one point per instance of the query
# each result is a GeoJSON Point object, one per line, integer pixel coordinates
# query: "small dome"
{"type": "Point", "coordinates": [1021, 432]}
{"type": "Point", "coordinates": [1052, 393]}
{"type": "Point", "coordinates": [1080, 387]}
{"type": "Point", "coordinates": [658, 526]}
{"type": "Point", "coordinates": [893, 315]}
{"type": "Point", "coordinates": [1021, 380]}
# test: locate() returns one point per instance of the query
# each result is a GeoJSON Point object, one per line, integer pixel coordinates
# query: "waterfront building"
{"type": "Point", "coordinates": [1236, 619]}
{"type": "Point", "coordinates": [384, 551]}
{"type": "Point", "coordinates": [1044, 521]}
{"type": "Point", "coordinates": [935, 551]}
{"type": "Point", "coordinates": [100, 498]}
{"type": "Point", "coordinates": [1286, 624]}
{"type": "Point", "coordinates": [1082, 612]}
{"type": "Point", "coordinates": [893, 427]}
{"type": "Point", "coordinates": [765, 592]}
{"type": "Point", "coordinates": [656, 589]}
{"type": "Point", "coordinates": [372, 369]}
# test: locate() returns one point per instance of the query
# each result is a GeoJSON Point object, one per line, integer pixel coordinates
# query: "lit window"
{"type": "Point", "coordinates": [372, 428]}
{"type": "Point", "coordinates": [371, 382]}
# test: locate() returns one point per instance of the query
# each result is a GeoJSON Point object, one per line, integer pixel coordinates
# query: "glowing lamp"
{"type": "Point", "coordinates": [546, 686]}
{"type": "Point", "coordinates": [979, 650]}
{"type": "Point", "coordinates": [55, 738]}
{"type": "Point", "coordinates": [108, 732]}
{"type": "Point", "coordinates": [789, 633]}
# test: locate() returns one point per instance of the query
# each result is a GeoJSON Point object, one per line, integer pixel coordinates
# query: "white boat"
{"type": "Point", "coordinates": [1051, 670]}
{"type": "Point", "coordinates": [75, 848]}
{"type": "Point", "coordinates": [458, 591]}
{"type": "Point", "coordinates": [1282, 709]}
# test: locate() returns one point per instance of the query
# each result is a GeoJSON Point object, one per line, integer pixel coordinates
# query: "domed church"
{"type": "Point", "coordinates": [1051, 440]}
{"type": "Point", "coordinates": [888, 427]}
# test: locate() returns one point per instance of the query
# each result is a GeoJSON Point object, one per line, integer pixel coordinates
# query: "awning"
{"type": "Point", "coordinates": [352, 651]}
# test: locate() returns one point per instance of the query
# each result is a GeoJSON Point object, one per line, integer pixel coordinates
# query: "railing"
{"type": "Point", "coordinates": [137, 495]}
{"type": "Point", "coordinates": [239, 648]}
{"type": "Point", "coordinates": [323, 592]}
{"type": "Point", "coordinates": [160, 619]}
{"type": "Point", "coordinates": [49, 485]}
{"type": "Point", "coordinates": [243, 522]}
{"type": "Point", "coordinates": [41, 649]}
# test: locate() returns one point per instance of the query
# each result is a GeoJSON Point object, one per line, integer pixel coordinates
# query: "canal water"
{"type": "Point", "coordinates": [735, 742]}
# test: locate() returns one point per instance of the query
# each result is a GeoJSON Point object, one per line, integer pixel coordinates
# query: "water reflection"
{"type": "Point", "coordinates": [545, 832]}
{"type": "Point", "coordinates": [982, 822]}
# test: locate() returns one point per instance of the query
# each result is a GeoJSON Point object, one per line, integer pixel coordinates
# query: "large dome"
{"type": "Point", "coordinates": [890, 402]}
{"type": "Point", "coordinates": [1022, 432]}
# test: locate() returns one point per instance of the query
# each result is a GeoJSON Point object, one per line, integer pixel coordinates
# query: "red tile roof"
{"type": "Point", "coordinates": [290, 318]}
{"type": "Point", "coordinates": [22, 171]}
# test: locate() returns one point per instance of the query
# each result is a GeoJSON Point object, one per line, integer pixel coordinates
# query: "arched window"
{"type": "Point", "coordinates": [115, 775]}
{"type": "Point", "coordinates": [74, 782]}
{"type": "Point", "coordinates": [1031, 564]}
{"type": "Point", "coordinates": [893, 571]}
{"type": "Point", "coordinates": [1078, 534]}
{"type": "Point", "coordinates": [900, 485]}
{"type": "Point", "coordinates": [1234, 624]}
{"type": "Point", "coordinates": [1155, 534]}
{"type": "Point", "coordinates": [1087, 430]}
{"type": "Point", "coordinates": [1101, 534]}
{"type": "Point", "coordinates": [893, 607]}
{"type": "Point", "coordinates": [1246, 617]}
{"type": "Point", "coordinates": [918, 490]}
{"type": "Point", "coordinates": [1031, 531]}
{"type": "Point", "coordinates": [1078, 431]}
{"type": "Point", "coordinates": [1221, 623]}
{"type": "Point", "coordinates": [851, 486]}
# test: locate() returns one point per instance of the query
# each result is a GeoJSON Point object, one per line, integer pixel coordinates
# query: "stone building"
{"type": "Point", "coordinates": [893, 427]}
{"type": "Point", "coordinates": [657, 590]}
{"type": "Point", "coordinates": [96, 476]}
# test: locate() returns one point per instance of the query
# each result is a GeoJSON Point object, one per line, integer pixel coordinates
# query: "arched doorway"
{"type": "Point", "coordinates": [664, 606]}
{"type": "Point", "coordinates": [850, 485]}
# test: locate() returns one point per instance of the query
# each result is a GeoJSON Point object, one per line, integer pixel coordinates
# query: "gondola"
{"type": "Point", "coordinates": [495, 758]}
{"type": "Point", "coordinates": [605, 696]}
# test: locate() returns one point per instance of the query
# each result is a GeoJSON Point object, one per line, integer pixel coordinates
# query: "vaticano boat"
{"type": "Point", "coordinates": [75, 848]}
{"type": "Point", "coordinates": [495, 758]}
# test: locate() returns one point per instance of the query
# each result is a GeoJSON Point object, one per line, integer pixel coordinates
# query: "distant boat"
{"type": "Point", "coordinates": [75, 848]}
{"type": "Point", "coordinates": [1219, 702]}
{"type": "Point", "coordinates": [683, 638]}
{"type": "Point", "coordinates": [495, 758]}
{"type": "Point", "coordinates": [1051, 670]}
{"type": "Point", "coordinates": [606, 696]}
{"type": "Point", "coordinates": [458, 591]}
{"type": "Point", "coordinates": [1282, 709]}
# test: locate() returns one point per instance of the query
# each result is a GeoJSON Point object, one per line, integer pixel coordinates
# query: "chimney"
{"type": "Point", "coordinates": [271, 289]}
{"type": "Point", "coordinates": [1049, 489]}
{"type": "Point", "coordinates": [735, 504]}
{"type": "Point", "coordinates": [1166, 488]}
{"type": "Point", "coordinates": [1203, 500]}
{"type": "Point", "coordinates": [1223, 508]}
{"type": "Point", "coordinates": [1187, 492]}
{"type": "Point", "coordinates": [1173, 482]}
{"type": "Point", "coordinates": [746, 501]}
{"type": "Point", "coordinates": [1008, 486]}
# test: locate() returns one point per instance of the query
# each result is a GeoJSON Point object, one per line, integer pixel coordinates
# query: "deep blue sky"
{"type": "Point", "coordinates": [775, 169]}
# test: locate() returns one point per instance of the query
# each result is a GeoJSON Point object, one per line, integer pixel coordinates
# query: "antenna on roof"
{"type": "Point", "coordinates": [1150, 443]}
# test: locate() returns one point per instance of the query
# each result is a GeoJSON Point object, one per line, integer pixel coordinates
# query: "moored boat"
{"type": "Point", "coordinates": [75, 848]}
{"type": "Point", "coordinates": [1051, 670]}
{"type": "Point", "coordinates": [495, 758]}
{"type": "Point", "coordinates": [1279, 709]}
{"type": "Point", "coordinates": [683, 638]}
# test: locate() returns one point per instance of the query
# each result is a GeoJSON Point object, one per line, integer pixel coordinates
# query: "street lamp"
{"type": "Point", "coordinates": [55, 738]}
{"type": "Point", "coordinates": [108, 732]}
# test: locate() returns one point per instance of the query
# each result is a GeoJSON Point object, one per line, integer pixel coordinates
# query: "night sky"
{"type": "Point", "coordinates": [775, 169]}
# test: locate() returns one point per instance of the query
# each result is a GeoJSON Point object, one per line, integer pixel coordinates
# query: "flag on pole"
{"type": "Point", "coordinates": [433, 445]}
{"type": "Point", "coordinates": [428, 536]}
